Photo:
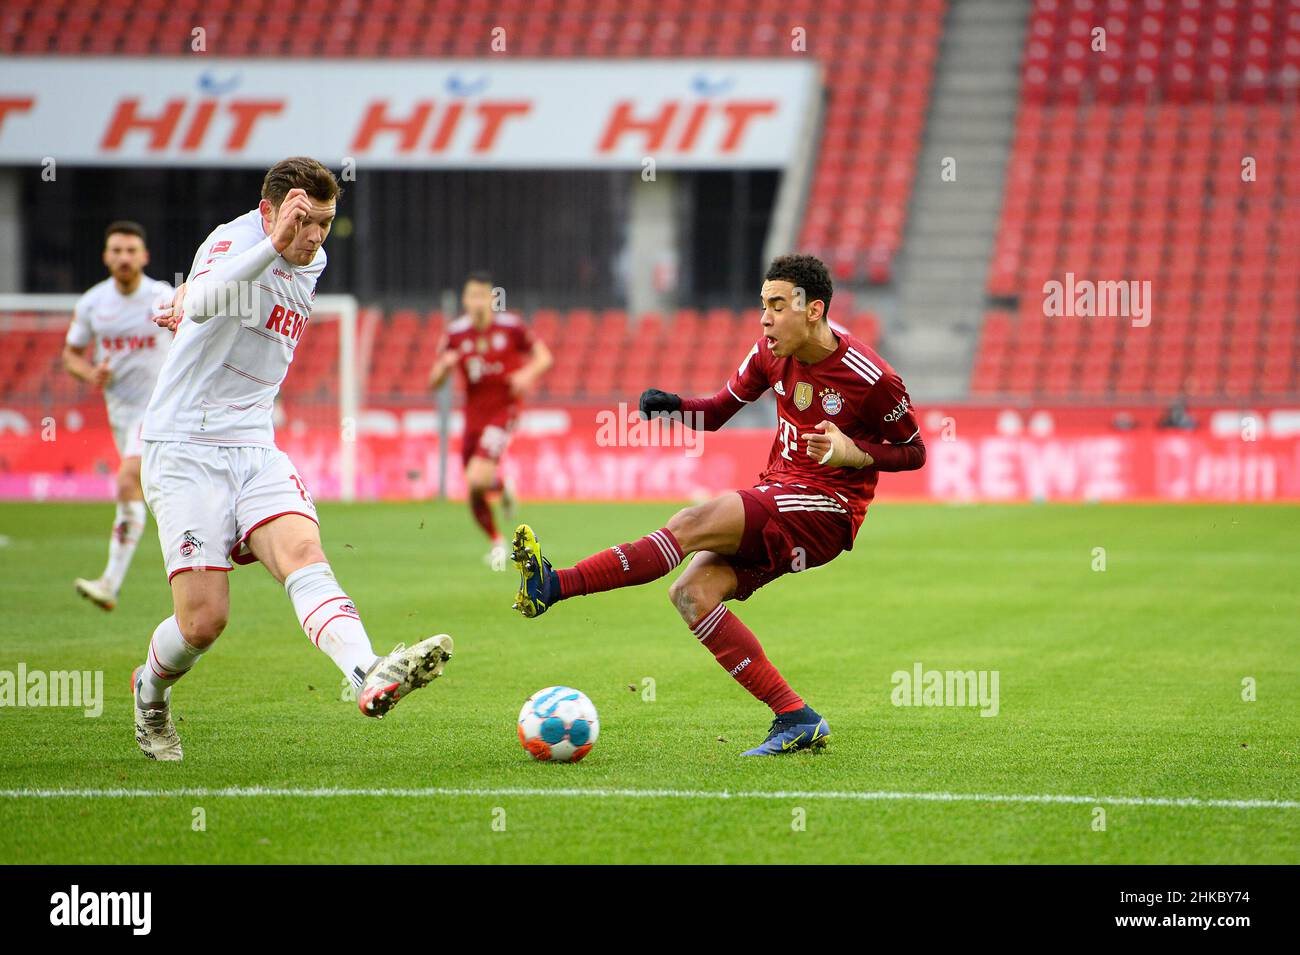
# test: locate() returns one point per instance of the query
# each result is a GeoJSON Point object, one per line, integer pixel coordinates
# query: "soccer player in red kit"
{"type": "Point", "coordinates": [500, 362]}
{"type": "Point", "coordinates": [843, 416]}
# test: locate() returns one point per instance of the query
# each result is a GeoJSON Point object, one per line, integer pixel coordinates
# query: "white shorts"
{"type": "Point", "coordinates": [126, 434]}
{"type": "Point", "coordinates": [208, 499]}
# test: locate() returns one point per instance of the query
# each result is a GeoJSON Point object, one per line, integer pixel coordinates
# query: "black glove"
{"type": "Point", "coordinates": [656, 402]}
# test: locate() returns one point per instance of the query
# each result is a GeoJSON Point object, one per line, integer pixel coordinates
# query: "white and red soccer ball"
{"type": "Point", "coordinates": [558, 725]}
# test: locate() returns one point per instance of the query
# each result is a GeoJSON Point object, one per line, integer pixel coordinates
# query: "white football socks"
{"type": "Point", "coordinates": [128, 526]}
{"type": "Point", "coordinates": [170, 658]}
{"type": "Point", "coordinates": [330, 619]}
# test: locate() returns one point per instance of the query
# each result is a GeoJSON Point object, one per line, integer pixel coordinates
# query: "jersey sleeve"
{"type": "Point", "coordinates": [223, 244]}
{"type": "Point", "coordinates": [80, 334]}
{"type": "Point", "coordinates": [162, 294]}
{"type": "Point", "coordinates": [889, 408]}
{"type": "Point", "coordinates": [524, 338]}
{"type": "Point", "coordinates": [750, 380]}
{"type": "Point", "coordinates": [228, 257]}
{"type": "Point", "coordinates": [888, 412]}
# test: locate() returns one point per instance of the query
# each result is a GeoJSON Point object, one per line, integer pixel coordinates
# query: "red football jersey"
{"type": "Point", "coordinates": [853, 388]}
{"type": "Point", "coordinates": [487, 358]}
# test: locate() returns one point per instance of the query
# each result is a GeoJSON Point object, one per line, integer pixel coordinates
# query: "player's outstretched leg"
{"type": "Point", "coordinates": [698, 595]}
{"type": "Point", "coordinates": [625, 565]}
{"type": "Point", "coordinates": [392, 677]}
{"type": "Point", "coordinates": [715, 525]}
{"type": "Point", "coordinates": [331, 622]}
{"type": "Point", "coordinates": [290, 548]}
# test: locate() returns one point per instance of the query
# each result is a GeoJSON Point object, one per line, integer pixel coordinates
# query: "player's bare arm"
{"type": "Point", "coordinates": [442, 367]}
{"type": "Point", "coordinates": [526, 377]}
{"type": "Point", "coordinates": [169, 316]}
{"type": "Point", "coordinates": [832, 448]}
{"type": "Point", "coordinates": [78, 365]}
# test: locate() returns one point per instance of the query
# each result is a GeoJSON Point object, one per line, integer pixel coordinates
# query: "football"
{"type": "Point", "coordinates": [558, 725]}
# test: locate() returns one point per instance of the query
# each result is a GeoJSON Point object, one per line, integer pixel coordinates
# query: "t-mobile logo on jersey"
{"type": "Point", "coordinates": [787, 433]}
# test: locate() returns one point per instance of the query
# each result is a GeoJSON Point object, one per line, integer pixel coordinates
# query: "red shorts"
{"type": "Point", "coordinates": [788, 528]}
{"type": "Point", "coordinates": [487, 440]}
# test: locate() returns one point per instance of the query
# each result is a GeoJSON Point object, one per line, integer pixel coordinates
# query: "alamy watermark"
{"type": "Point", "coordinates": [76, 688]}
{"type": "Point", "coordinates": [1084, 298]}
{"type": "Point", "coordinates": [921, 687]}
{"type": "Point", "coordinates": [75, 907]}
{"type": "Point", "coordinates": [625, 428]}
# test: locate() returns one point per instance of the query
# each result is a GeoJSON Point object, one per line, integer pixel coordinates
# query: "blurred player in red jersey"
{"type": "Point", "coordinates": [500, 362]}
{"type": "Point", "coordinates": [843, 416]}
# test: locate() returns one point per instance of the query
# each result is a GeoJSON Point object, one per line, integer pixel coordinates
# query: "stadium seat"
{"type": "Point", "coordinates": [1157, 194]}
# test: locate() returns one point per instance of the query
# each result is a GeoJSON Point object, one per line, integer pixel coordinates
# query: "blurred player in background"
{"type": "Point", "coordinates": [500, 362]}
{"type": "Point", "coordinates": [114, 345]}
{"type": "Point", "coordinates": [842, 417]}
{"type": "Point", "coordinates": [218, 486]}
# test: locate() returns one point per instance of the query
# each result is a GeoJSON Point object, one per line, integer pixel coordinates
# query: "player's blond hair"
{"type": "Point", "coordinates": [299, 172]}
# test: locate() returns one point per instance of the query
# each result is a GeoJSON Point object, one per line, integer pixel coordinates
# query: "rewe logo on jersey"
{"type": "Point", "coordinates": [128, 342]}
{"type": "Point", "coordinates": [288, 323]}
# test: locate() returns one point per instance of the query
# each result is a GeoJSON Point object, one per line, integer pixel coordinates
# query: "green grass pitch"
{"type": "Point", "coordinates": [1122, 682]}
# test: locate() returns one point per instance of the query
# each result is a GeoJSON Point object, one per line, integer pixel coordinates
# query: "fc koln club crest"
{"type": "Point", "coordinates": [802, 395]}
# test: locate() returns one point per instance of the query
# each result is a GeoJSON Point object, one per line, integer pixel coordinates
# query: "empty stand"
{"type": "Point", "coordinates": [1161, 158]}
{"type": "Point", "coordinates": [877, 58]}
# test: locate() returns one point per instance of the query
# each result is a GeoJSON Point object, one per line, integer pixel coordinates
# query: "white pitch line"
{"type": "Point", "coordinates": [242, 792]}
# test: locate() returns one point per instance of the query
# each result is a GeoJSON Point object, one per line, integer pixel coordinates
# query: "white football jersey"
{"type": "Point", "coordinates": [220, 380]}
{"type": "Point", "coordinates": [122, 331]}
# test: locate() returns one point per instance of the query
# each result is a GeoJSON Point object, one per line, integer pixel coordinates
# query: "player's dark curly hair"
{"type": "Point", "coordinates": [806, 272]}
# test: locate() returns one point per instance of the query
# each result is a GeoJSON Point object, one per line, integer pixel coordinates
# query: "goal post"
{"type": "Point", "coordinates": [54, 437]}
{"type": "Point", "coordinates": [349, 388]}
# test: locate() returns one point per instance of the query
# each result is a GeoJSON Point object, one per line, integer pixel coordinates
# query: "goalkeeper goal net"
{"type": "Point", "coordinates": [55, 441]}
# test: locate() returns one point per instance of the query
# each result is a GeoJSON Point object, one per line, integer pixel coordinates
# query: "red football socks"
{"type": "Point", "coordinates": [627, 565]}
{"type": "Point", "coordinates": [738, 651]}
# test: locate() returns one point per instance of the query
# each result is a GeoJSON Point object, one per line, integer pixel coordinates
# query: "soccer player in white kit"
{"type": "Point", "coordinates": [113, 344]}
{"type": "Point", "coordinates": [218, 486]}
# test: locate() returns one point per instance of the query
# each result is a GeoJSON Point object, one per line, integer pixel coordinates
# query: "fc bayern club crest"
{"type": "Point", "coordinates": [832, 401]}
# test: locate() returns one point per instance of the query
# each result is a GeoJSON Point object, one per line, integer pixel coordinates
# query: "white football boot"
{"type": "Point", "coordinates": [391, 678]}
{"type": "Point", "coordinates": [97, 592]}
{"type": "Point", "coordinates": [154, 730]}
